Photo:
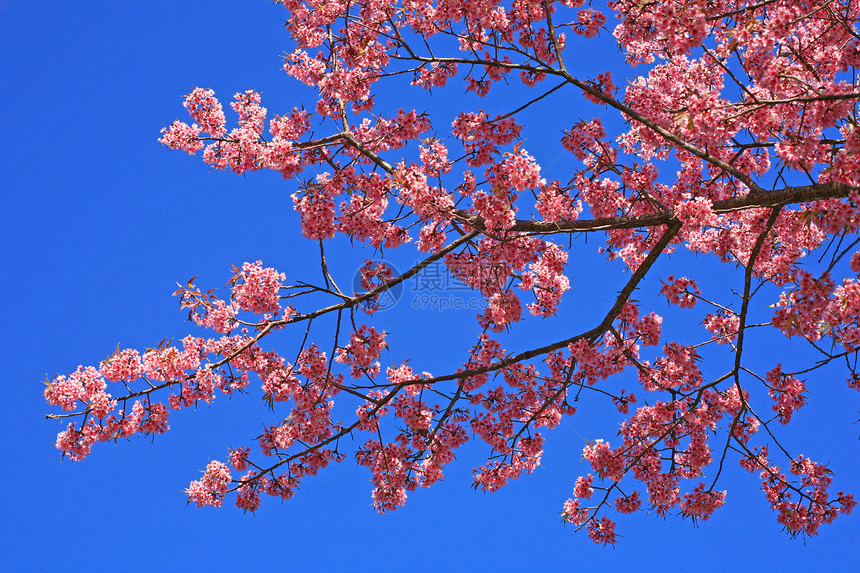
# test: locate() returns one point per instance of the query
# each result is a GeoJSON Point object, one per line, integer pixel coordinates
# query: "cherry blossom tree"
{"type": "Point", "coordinates": [735, 137]}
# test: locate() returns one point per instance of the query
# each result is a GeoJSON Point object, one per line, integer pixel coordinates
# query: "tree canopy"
{"type": "Point", "coordinates": [734, 138]}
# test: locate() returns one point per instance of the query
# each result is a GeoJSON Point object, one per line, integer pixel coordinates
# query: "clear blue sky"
{"type": "Point", "coordinates": [99, 222]}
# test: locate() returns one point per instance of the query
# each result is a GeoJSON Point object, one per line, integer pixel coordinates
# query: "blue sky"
{"type": "Point", "coordinates": [99, 222]}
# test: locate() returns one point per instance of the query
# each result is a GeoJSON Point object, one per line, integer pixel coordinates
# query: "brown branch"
{"type": "Point", "coordinates": [786, 196]}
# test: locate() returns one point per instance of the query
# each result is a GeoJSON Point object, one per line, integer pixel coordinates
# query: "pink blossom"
{"type": "Point", "coordinates": [211, 488]}
{"type": "Point", "coordinates": [787, 393]}
{"type": "Point", "coordinates": [855, 262]}
{"type": "Point", "coordinates": [256, 289]}
{"type": "Point", "coordinates": [206, 110]}
{"type": "Point", "coordinates": [701, 504]}
{"type": "Point", "coordinates": [608, 464]}
{"type": "Point", "coordinates": [248, 497]}
{"type": "Point", "coordinates": [697, 212]}
{"type": "Point", "coordinates": [239, 458]}
{"type": "Point", "coordinates": [316, 206]}
{"type": "Point", "coordinates": [629, 503]}
{"type": "Point", "coordinates": [434, 156]}
{"type": "Point", "coordinates": [723, 327]}
{"type": "Point", "coordinates": [547, 281]}
{"type": "Point", "coordinates": [503, 309]}
{"type": "Point", "coordinates": [182, 136]}
{"type": "Point", "coordinates": [481, 135]}
{"type": "Point", "coordinates": [554, 204]}
{"type": "Point", "coordinates": [573, 513]}
{"type": "Point", "coordinates": [588, 22]}
{"type": "Point", "coordinates": [290, 127]}
{"type": "Point", "coordinates": [431, 239]}
{"type": "Point", "coordinates": [602, 532]}
{"type": "Point", "coordinates": [583, 489]}
{"type": "Point", "coordinates": [435, 75]}
{"type": "Point", "coordinates": [122, 365]}
{"type": "Point", "coordinates": [363, 351]}
{"type": "Point", "coordinates": [373, 274]}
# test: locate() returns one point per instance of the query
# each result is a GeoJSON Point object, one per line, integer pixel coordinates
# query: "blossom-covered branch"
{"type": "Point", "coordinates": [736, 138]}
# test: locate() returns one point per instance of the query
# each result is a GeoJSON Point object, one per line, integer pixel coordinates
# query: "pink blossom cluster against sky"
{"type": "Point", "coordinates": [100, 222]}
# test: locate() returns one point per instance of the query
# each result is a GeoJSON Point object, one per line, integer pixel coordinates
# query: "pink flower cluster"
{"type": "Point", "coordinates": [316, 206]}
{"type": "Point", "coordinates": [518, 171]}
{"type": "Point", "coordinates": [210, 489]}
{"type": "Point", "coordinates": [362, 352]}
{"type": "Point", "coordinates": [681, 291]}
{"type": "Point", "coordinates": [85, 385]}
{"type": "Point", "coordinates": [219, 316]}
{"type": "Point", "coordinates": [816, 308]}
{"type": "Point", "coordinates": [526, 457]}
{"type": "Point", "coordinates": [435, 75]}
{"type": "Point", "coordinates": [584, 138]}
{"type": "Point", "coordinates": [481, 135]}
{"type": "Point", "coordinates": [503, 310]}
{"type": "Point", "coordinates": [242, 149]}
{"type": "Point", "coordinates": [434, 156]}
{"type": "Point", "coordinates": [256, 289]}
{"type": "Point", "coordinates": [723, 326]}
{"type": "Point", "coordinates": [701, 503]}
{"type": "Point", "coordinates": [182, 136]}
{"type": "Point", "coordinates": [428, 202]}
{"type": "Point", "coordinates": [206, 110]}
{"type": "Point", "coordinates": [696, 213]}
{"type": "Point", "coordinates": [546, 279]}
{"type": "Point", "coordinates": [812, 508]}
{"type": "Point", "coordinates": [787, 392]}
{"type": "Point", "coordinates": [588, 22]}
{"type": "Point", "coordinates": [556, 204]}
